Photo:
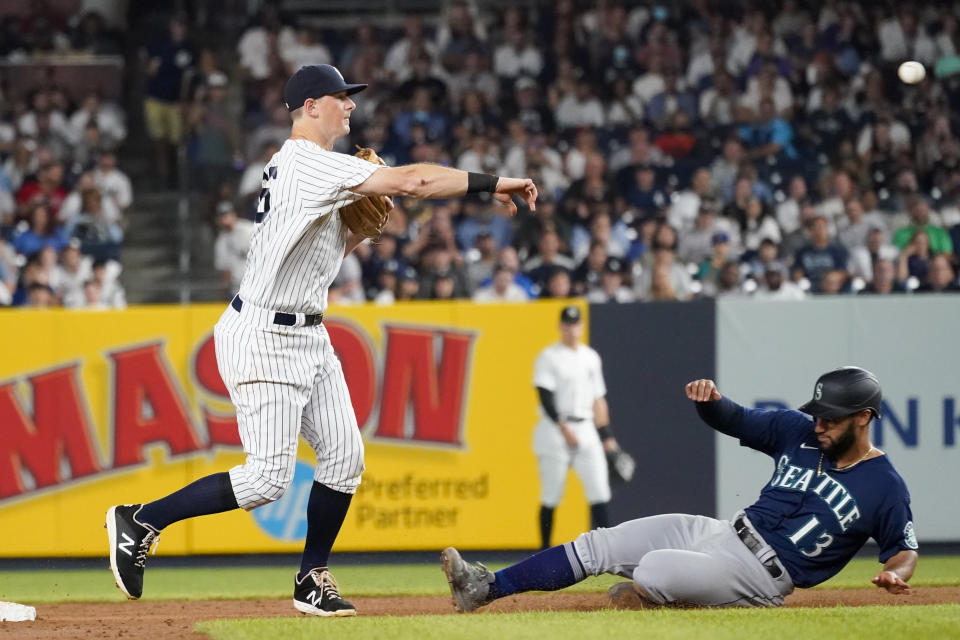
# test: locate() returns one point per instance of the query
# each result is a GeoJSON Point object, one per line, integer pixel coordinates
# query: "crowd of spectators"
{"type": "Point", "coordinates": [681, 150]}
{"type": "Point", "coordinates": [62, 197]}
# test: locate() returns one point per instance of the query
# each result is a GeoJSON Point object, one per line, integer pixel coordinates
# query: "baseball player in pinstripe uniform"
{"type": "Point", "coordinates": [273, 351]}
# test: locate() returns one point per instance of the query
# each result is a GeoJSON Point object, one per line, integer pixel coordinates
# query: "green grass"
{"type": "Point", "coordinates": [90, 585]}
{"type": "Point", "coordinates": [932, 571]}
{"type": "Point", "coordinates": [876, 623]}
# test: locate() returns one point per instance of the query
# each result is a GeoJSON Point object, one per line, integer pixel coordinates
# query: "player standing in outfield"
{"type": "Point", "coordinates": [273, 351]}
{"type": "Point", "coordinates": [573, 430]}
{"type": "Point", "coordinates": [830, 491]}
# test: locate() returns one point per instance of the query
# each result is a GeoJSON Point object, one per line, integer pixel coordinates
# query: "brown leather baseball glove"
{"type": "Point", "coordinates": [368, 215]}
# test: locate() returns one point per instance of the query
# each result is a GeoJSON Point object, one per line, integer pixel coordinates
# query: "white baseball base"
{"type": "Point", "coordinates": [13, 612]}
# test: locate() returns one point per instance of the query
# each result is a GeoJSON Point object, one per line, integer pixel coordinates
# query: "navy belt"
{"type": "Point", "coordinates": [751, 542]}
{"type": "Point", "coordinates": [284, 319]}
{"type": "Point", "coordinates": [572, 419]}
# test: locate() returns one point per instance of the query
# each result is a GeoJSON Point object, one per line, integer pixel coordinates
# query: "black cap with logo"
{"type": "Point", "coordinates": [570, 315]}
{"type": "Point", "coordinates": [315, 81]}
{"type": "Point", "coordinates": [843, 392]}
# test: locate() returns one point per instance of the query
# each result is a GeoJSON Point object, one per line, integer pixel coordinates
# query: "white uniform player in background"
{"type": "Point", "coordinates": [273, 351]}
{"type": "Point", "coordinates": [573, 430]}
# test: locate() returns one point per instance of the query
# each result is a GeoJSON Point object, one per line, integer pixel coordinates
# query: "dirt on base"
{"type": "Point", "coordinates": [175, 620]}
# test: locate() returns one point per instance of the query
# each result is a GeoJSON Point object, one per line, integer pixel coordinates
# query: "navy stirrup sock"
{"type": "Point", "coordinates": [600, 515]}
{"type": "Point", "coordinates": [555, 568]}
{"type": "Point", "coordinates": [546, 526]}
{"type": "Point", "coordinates": [326, 511]}
{"type": "Point", "coordinates": [210, 494]}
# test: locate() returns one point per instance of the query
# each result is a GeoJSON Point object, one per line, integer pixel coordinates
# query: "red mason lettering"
{"type": "Point", "coordinates": [221, 428]}
{"type": "Point", "coordinates": [359, 366]}
{"type": "Point", "coordinates": [59, 428]}
{"type": "Point", "coordinates": [412, 375]}
{"type": "Point", "coordinates": [141, 376]}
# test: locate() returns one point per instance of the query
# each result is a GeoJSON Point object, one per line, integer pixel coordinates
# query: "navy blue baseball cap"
{"type": "Point", "coordinates": [720, 237]}
{"type": "Point", "coordinates": [570, 315]}
{"type": "Point", "coordinates": [392, 266]}
{"type": "Point", "coordinates": [614, 264]}
{"type": "Point", "coordinates": [315, 81]}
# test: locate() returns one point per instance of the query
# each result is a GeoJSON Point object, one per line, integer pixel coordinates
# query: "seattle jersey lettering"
{"type": "Point", "coordinates": [836, 497]}
{"type": "Point", "coordinates": [840, 501]}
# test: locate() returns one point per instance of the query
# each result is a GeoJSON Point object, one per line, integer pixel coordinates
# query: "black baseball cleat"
{"type": "Point", "coordinates": [130, 541]}
{"type": "Point", "coordinates": [317, 593]}
{"type": "Point", "coordinates": [469, 583]}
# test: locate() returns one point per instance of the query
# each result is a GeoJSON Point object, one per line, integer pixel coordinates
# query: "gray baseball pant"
{"type": "Point", "coordinates": [680, 559]}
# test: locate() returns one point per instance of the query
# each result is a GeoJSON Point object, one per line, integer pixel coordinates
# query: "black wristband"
{"type": "Point", "coordinates": [546, 401]}
{"type": "Point", "coordinates": [481, 182]}
{"type": "Point", "coordinates": [605, 432]}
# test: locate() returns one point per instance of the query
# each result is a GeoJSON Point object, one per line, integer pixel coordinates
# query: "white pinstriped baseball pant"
{"type": "Point", "coordinates": [285, 381]}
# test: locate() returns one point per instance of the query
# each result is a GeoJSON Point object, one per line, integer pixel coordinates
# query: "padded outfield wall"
{"type": "Point", "coordinates": [98, 408]}
{"type": "Point", "coordinates": [650, 351]}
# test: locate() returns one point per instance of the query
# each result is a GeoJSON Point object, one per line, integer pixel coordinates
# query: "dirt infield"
{"type": "Point", "coordinates": [174, 620]}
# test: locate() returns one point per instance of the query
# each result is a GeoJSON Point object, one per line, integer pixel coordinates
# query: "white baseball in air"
{"type": "Point", "coordinates": [911, 72]}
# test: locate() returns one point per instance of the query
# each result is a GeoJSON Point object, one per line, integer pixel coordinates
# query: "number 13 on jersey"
{"type": "Point", "coordinates": [822, 542]}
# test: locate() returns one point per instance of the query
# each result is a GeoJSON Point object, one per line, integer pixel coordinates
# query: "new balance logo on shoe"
{"type": "Point", "coordinates": [127, 545]}
{"type": "Point", "coordinates": [317, 593]}
{"type": "Point", "coordinates": [130, 542]}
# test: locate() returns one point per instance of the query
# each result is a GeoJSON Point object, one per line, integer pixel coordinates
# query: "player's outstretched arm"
{"type": "Point", "coordinates": [896, 572]}
{"type": "Point", "coordinates": [702, 391]}
{"type": "Point", "coordinates": [426, 181]}
{"type": "Point", "coordinates": [725, 416]}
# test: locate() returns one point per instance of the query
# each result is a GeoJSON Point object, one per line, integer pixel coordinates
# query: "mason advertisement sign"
{"type": "Point", "coordinates": [123, 407]}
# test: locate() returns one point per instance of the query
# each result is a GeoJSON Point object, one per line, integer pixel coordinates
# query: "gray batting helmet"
{"type": "Point", "coordinates": [844, 391]}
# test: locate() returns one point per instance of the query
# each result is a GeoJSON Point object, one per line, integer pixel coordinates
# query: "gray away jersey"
{"type": "Point", "coordinates": [297, 246]}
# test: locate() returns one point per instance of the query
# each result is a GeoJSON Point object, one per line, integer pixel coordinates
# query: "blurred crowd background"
{"type": "Point", "coordinates": [682, 150]}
